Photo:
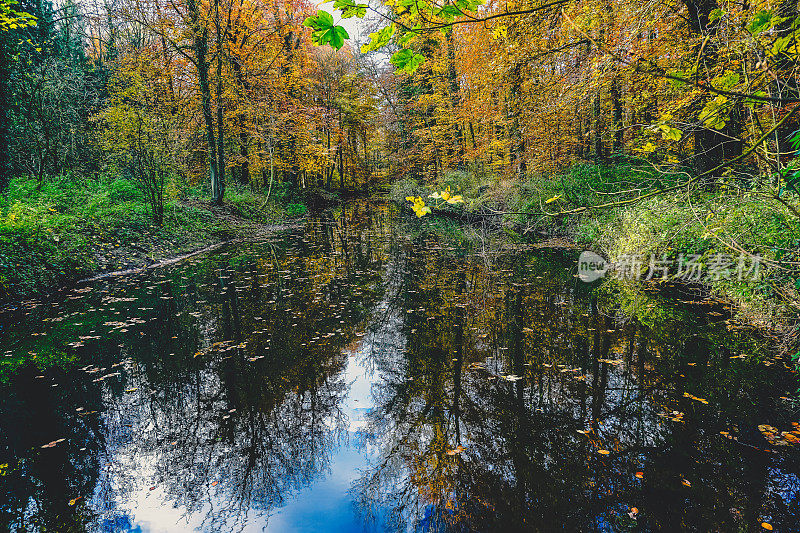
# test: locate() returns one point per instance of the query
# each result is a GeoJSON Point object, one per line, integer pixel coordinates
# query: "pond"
{"type": "Point", "coordinates": [370, 372]}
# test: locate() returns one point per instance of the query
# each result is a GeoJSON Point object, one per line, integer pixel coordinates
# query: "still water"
{"type": "Point", "coordinates": [368, 372]}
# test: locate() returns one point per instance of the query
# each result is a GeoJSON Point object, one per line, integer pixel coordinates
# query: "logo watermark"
{"type": "Point", "coordinates": [684, 267]}
{"type": "Point", "coordinates": [591, 266]}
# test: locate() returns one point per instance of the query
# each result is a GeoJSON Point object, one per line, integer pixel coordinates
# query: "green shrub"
{"type": "Point", "coordinates": [296, 210]}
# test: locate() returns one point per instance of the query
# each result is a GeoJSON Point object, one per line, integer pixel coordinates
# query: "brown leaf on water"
{"type": "Point", "coordinates": [693, 397]}
{"type": "Point", "coordinates": [686, 483]}
{"type": "Point", "coordinates": [773, 435]}
{"type": "Point", "coordinates": [456, 450]}
{"type": "Point", "coordinates": [53, 444]}
{"type": "Point", "coordinates": [766, 526]}
{"type": "Point", "coordinates": [603, 452]}
{"type": "Point", "coordinates": [640, 475]}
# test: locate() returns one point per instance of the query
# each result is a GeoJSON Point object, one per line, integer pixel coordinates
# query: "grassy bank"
{"type": "Point", "coordinates": [722, 221]}
{"type": "Point", "coordinates": [65, 228]}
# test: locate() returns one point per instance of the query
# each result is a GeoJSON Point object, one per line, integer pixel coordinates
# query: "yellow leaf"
{"type": "Point", "coordinates": [553, 199]}
{"type": "Point", "coordinates": [648, 148]}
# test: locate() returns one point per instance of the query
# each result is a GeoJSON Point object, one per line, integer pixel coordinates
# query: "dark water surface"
{"type": "Point", "coordinates": [364, 374]}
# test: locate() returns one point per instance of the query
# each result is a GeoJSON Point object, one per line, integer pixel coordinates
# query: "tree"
{"type": "Point", "coordinates": [11, 21]}
{"type": "Point", "coordinates": [140, 129]}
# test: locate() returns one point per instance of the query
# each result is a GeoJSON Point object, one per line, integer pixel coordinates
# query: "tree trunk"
{"type": "Point", "coordinates": [455, 99]}
{"type": "Point", "coordinates": [616, 117]}
{"type": "Point", "coordinates": [220, 196]}
{"type": "Point", "coordinates": [200, 43]}
{"type": "Point", "coordinates": [597, 139]}
{"type": "Point", "coordinates": [6, 169]}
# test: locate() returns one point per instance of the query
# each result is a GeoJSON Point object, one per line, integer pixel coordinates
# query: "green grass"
{"type": "Point", "coordinates": [69, 227]}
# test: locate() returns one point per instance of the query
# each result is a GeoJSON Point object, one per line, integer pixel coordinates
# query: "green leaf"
{"type": "Point", "coordinates": [781, 44]}
{"type": "Point", "coordinates": [449, 12]}
{"type": "Point", "coordinates": [727, 81]}
{"type": "Point", "coordinates": [350, 9]}
{"type": "Point", "coordinates": [678, 74]}
{"type": "Point", "coordinates": [325, 32]}
{"type": "Point", "coordinates": [795, 140]}
{"type": "Point", "coordinates": [406, 38]}
{"type": "Point", "coordinates": [713, 114]}
{"type": "Point", "coordinates": [407, 60]}
{"type": "Point", "coordinates": [469, 5]}
{"type": "Point", "coordinates": [752, 102]}
{"type": "Point", "coordinates": [669, 133]}
{"type": "Point", "coordinates": [793, 181]}
{"type": "Point", "coordinates": [715, 15]}
{"type": "Point", "coordinates": [761, 21]}
{"type": "Point", "coordinates": [379, 39]}
{"type": "Point", "coordinates": [321, 21]}
{"type": "Point", "coordinates": [339, 36]}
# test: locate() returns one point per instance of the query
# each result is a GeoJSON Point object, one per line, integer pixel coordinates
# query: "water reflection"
{"type": "Point", "coordinates": [364, 374]}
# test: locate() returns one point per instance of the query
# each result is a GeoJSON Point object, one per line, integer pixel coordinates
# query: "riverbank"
{"type": "Point", "coordinates": [742, 241]}
{"type": "Point", "coordinates": [65, 229]}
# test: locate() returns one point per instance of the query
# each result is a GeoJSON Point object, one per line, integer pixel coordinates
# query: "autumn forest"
{"type": "Point", "coordinates": [429, 265]}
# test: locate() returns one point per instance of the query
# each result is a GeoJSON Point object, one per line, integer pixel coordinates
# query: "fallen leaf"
{"type": "Point", "coordinates": [603, 452]}
{"type": "Point", "coordinates": [455, 451]}
{"type": "Point", "coordinates": [766, 526]}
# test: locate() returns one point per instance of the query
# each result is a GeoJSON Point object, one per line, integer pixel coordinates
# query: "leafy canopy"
{"type": "Point", "coordinates": [409, 19]}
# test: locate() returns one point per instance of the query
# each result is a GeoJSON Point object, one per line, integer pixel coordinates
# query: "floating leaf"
{"type": "Point", "coordinates": [693, 397]}
{"type": "Point", "coordinates": [456, 450]}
